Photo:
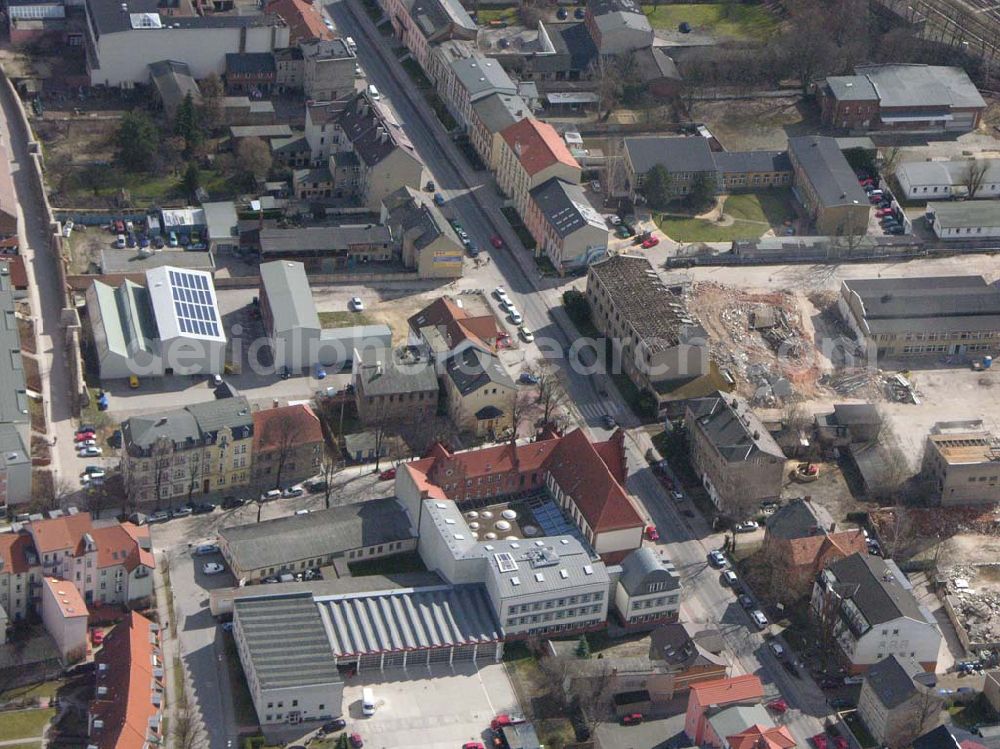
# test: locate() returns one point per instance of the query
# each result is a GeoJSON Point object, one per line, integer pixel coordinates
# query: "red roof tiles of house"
{"type": "Point", "coordinates": [14, 548]}
{"type": "Point", "coordinates": [762, 737]}
{"type": "Point", "coordinates": [286, 426]}
{"type": "Point", "coordinates": [726, 691]}
{"type": "Point", "coordinates": [580, 467]}
{"type": "Point", "coordinates": [303, 19]}
{"type": "Point", "coordinates": [123, 545]}
{"type": "Point", "coordinates": [133, 683]}
{"type": "Point", "coordinates": [457, 322]}
{"type": "Point", "coordinates": [537, 145]}
{"type": "Point", "coordinates": [67, 597]}
{"type": "Point", "coordinates": [56, 534]}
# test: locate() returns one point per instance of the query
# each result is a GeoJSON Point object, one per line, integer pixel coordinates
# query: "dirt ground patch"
{"type": "Point", "coordinates": [753, 124]}
{"type": "Point", "coordinates": [830, 491]}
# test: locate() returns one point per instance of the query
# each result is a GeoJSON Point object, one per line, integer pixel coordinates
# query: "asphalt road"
{"type": "Point", "coordinates": [474, 200]}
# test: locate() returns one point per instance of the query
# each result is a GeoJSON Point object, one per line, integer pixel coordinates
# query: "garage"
{"type": "Point", "coordinates": [415, 627]}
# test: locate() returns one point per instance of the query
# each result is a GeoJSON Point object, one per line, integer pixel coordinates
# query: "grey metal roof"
{"type": "Point", "coordinates": [472, 369]}
{"type": "Point", "coordinates": [891, 679]}
{"type": "Point", "coordinates": [412, 213]}
{"type": "Point", "coordinates": [656, 314]}
{"type": "Point", "coordinates": [851, 88]}
{"type": "Point", "coordinates": [387, 621]}
{"type": "Point", "coordinates": [872, 585]}
{"type": "Point", "coordinates": [260, 131]}
{"type": "Point", "coordinates": [221, 219]}
{"type": "Point", "coordinates": [480, 75]}
{"type": "Point", "coordinates": [249, 63]}
{"type": "Point", "coordinates": [967, 213]}
{"type": "Point", "coordinates": [108, 17]}
{"type": "Point", "coordinates": [566, 208]}
{"type": "Point", "coordinates": [677, 154]}
{"type": "Point", "coordinates": [740, 162]}
{"type": "Point", "coordinates": [847, 414]}
{"type": "Point", "coordinates": [500, 110]}
{"type": "Point", "coordinates": [682, 644]}
{"type": "Point", "coordinates": [233, 413]}
{"type": "Point", "coordinates": [286, 641]}
{"type": "Point", "coordinates": [921, 86]}
{"type": "Point", "coordinates": [644, 566]}
{"type": "Point", "coordinates": [373, 130]}
{"type": "Point", "coordinates": [827, 170]}
{"type": "Point", "coordinates": [929, 297]}
{"type": "Point", "coordinates": [737, 718]}
{"type": "Point", "coordinates": [322, 238]}
{"type": "Point", "coordinates": [553, 563]}
{"type": "Point", "coordinates": [278, 542]}
{"type": "Point", "coordinates": [127, 261]}
{"type": "Point", "coordinates": [13, 394]}
{"type": "Point", "coordinates": [733, 428]}
{"type": "Point", "coordinates": [289, 296]}
{"type": "Point", "coordinates": [173, 82]}
{"type": "Point", "coordinates": [797, 519]}
{"type": "Point", "coordinates": [392, 377]}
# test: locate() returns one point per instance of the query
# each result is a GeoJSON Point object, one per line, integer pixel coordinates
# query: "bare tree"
{"type": "Point", "coordinates": [99, 498]}
{"type": "Point", "coordinates": [328, 469]}
{"type": "Point", "coordinates": [194, 471]}
{"type": "Point", "coordinates": [162, 454]}
{"type": "Point", "coordinates": [551, 393]}
{"type": "Point", "coordinates": [530, 13]}
{"type": "Point", "coordinates": [519, 402]}
{"type": "Point", "coordinates": [212, 93]}
{"type": "Point", "coordinates": [593, 694]}
{"type": "Point", "coordinates": [604, 71]}
{"type": "Point", "coordinates": [253, 157]}
{"type": "Point", "coordinates": [826, 611]}
{"type": "Point", "coordinates": [279, 442]}
{"type": "Point", "coordinates": [185, 726]}
{"type": "Point", "coordinates": [890, 159]}
{"type": "Point", "coordinates": [973, 175]}
{"type": "Point", "coordinates": [808, 45]}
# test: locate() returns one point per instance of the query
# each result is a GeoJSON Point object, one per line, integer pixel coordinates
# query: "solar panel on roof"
{"type": "Point", "coordinates": [194, 303]}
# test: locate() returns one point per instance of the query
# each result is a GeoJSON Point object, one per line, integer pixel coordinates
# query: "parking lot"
{"type": "Point", "coordinates": [438, 708]}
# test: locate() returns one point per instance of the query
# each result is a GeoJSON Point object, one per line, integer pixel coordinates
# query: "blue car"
{"type": "Point", "coordinates": [527, 378]}
{"type": "Point", "coordinates": [320, 372]}
{"type": "Point", "coordinates": [438, 199]}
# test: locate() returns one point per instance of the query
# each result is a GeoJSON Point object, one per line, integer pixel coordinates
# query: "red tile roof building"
{"type": "Point", "coordinates": [738, 690]}
{"type": "Point", "coordinates": [583, 477]}
{"type": "Point", "coordinates": [532, 153]}
{"type": "Point", "coordinates": [64, 615]}
{"type": "Point", "coordinates": [125, 712]}
{"type": "Point", "coordinates": [447, 328]}
{"type": "Point", "coordinates": [762, 737]}
{"type": "Point", "coordinates": [303, 18]}
{"type": "Point", "coordinates": [287, 445]}
{"type": "Point", "coordinates": [109, 564]}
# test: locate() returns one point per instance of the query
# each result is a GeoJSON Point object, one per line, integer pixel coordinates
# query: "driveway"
{"type": "Point", "coordinates": [436, 708]}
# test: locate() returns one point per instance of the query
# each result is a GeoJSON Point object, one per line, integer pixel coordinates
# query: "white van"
{"type": "Point", "coordinates": [759, 619]}
{"type": "Point", "coordinates": [373, 92]}
{"type": "Point", "coordinates": [367, 701]}
{"type": "Point", "coordinates": [351, 44]}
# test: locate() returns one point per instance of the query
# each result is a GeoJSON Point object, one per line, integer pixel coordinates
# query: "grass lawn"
{"type": "Point", "coordinates": [485, 15]}
{"type": "Point", "coordinates": [246, 715]}
{"type": "Point", "coordinates": [152, 188]}
{"type": "Point", "coordinates": [721, 19]}
{"type": "Point", "coordinates": [27, 745]}
{"type": "Point", "coordinates": [24, 724]}
{"type": "Point", "coordinates": [45, 689]}
{"type": "Point", "coordinates": [409, 562]}
{"type": "Point", "coordinates": [977, 711]}
{"type": "Point", "coordinates": [753, 214]}
{"type": "Point", "coordinates": [343, 319]}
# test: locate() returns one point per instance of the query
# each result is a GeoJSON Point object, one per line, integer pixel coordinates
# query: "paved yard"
{"type": "Point", "coordinates": [437, 709]}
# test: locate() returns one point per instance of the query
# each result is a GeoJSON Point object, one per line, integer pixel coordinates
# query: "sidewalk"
{"type": "Point", "coordinates": [167, 647]}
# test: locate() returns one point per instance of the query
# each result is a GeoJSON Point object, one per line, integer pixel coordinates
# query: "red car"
{"type": "Point", "coordinates": [651, 242]}
{"type": "Point", "coordinates": [496, 241]}
{"type": "Point", "coordinates": [505, 720]}
{"type": "Point", "coordinates": [119, 226]}
{"type": "Point", "coordinates": [356, 741]}
{"type": "Point", "coordinates": [883, 212]}
{"type": "Point", "coordinates": [473, 745]}
{"type": "Point", "coordinates": [819, 740]}
{"type": "Point", "coordinates": [632, 719]}
{"type": "Point", "coordinates": [386, 475]}
{"type": "Point", "coordinates": [96, 636]}
{"type": "Point", "coordinates": [840, 742]}
{"type": "Point", "coordinates": [778, 706]}
{"type": "Point", "coordinates": [651, 533]}
{"type": "Point", "coordinates": [867, 181]}
{"type": "Point", "coordinates": [83, 436]}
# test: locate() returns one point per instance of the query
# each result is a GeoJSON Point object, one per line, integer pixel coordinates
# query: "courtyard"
{"type": "Point", "coordinates": [737, 216]}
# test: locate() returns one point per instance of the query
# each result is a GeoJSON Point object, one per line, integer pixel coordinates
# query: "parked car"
{"type": "Point", "coordinates": [632, 719]}
{"type": "Point", "coordinates": [90, 452]}
{"type": "Point", "coordinates": [212, 568]}
{"type": "Point", "coordinates": [651, 533]}
{"type": "Point", "coordinates": [526, 334]}
{"type": "Point", "coordinates": [747, 526]}
{"type": "Point", "coordinates": [158, 516]}
{"type": "Point", "coordinates": [730, 578]}
{"type": "Point", "coordinates": [84, 437]}
{"type": "Point", "coordinates": [758, 618]}
{"type": "Point", "coordinates": [205, 550]}
{"type": "Point", "coordinates": [181, 512]}
{"type": "Point", "coordinates": [93, 470]}
{"type": "Point", "coordinates": [356, 741]}
{"type": "Point", "coordinates": [496, 241]}
{"type": "Point", "coordinates": [292, 492]}
{"type": "Point", "coordinates": [745, 601]}
{"type": "Point", "coordinates": [356, 304]}
{"type": "Point", "coordinates": [651, 242]}
{"type": "Point", "coordinates": [515, 317]}
{"type": "Point", "coordinates": [387, 475]}
{"type": "Point", "coordinates": [779, 706]}
{"type": "Point", "coordinates": [67, 228]}
{"type": "Point", "coordinates": [201, 508]}
{"type": "Point", "coordinates": [527, 378]}
{"type": "Point", "coordinates": [677, 495]}
{"type": "Point", "coordinates": [337, 724]}
{"type": "Point", "coordinates": [319, 372]}
{"type": "Point", "coordinates": [717, 559]}
{"type": "Point", "coordinates": [97, 636]}
{"type": "Point", "coordinates": [776, 648]}
{"type": "Point", "coordinates": [231, 503]}
{"type": "Point", "coordinates": [819, 741]}
{"type": "Point", "coordinates": [505, 719]}
{"type": "Point", "coordinates": [500, 293]}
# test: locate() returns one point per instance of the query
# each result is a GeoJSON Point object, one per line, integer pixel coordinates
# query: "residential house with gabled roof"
{"type": "Point", "coordinates": [288, 445]}
{"type": "Point", "coordinates": [894, 705]}
{"type": "Point", "coordinates": [126, 711]}
{"type": "Point", "coordinates": [389, 388]}
{"type": "Point", "coordinates": [445, 328]}
{"type": "Point", "coordinates": [735, 457]}
{"type": "Point", "coordinates": [472, 79]}
{"type": "Point", "coordinates": [110, 564]}
{"type": "Point", "coordinates": [618, 26]}
{"type": "Point", "coordinates": [709, 698]}
{"type": "Point", "coordinates": [532, 153]}
{"type": "Point", "coordinates": [826, 185]}
{"type": "Point", "coordinates": [479, 392]}
{"type": "Point", "coordinates": [427, 242]}
{"type": "Point", "coordinates": [872, 610]}
{"type": "Point", "coordinates": [584, 479]}
{"type": "Point", "coordinates": [304, 19]}
{"type": "Point", "coordinates": [800, 539]}
{"type": "Point", "coordinates": [648, 592]}
{"type": "Point", "coordinates": [172, 456]}
{"type": "Point", "coordinates": [425, 24]}
{"type": "Point", "coordinates": [489, 117]}
{"type": "Point", "coordinates": [565, 226]}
